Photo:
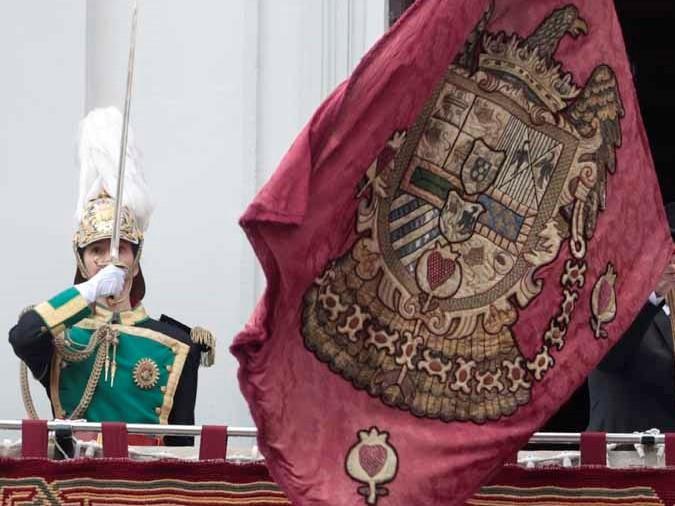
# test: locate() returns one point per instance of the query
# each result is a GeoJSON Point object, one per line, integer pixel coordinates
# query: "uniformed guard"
{"type": "Point", "coordinates": [93, 346]}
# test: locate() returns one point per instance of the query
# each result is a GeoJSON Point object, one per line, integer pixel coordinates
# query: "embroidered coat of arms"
{"type": "Point", "coordinates": [451, 245]}
{"type": "Point", "coordinates": [506, 165]}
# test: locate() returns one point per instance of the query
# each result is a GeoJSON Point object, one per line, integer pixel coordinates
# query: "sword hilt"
{"type": "Point", "coordinates": [112, 301]}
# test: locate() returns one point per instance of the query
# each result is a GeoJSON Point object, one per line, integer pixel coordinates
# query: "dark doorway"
{"type": "Point", "coordinates": [647, 27]}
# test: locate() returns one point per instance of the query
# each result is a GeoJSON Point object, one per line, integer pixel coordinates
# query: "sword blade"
{"type": "Point", "coordinates": [115, 240]}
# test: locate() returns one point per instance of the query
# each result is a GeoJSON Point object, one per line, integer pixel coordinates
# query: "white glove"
{"type": "Point", "coordinates": [107, 282]}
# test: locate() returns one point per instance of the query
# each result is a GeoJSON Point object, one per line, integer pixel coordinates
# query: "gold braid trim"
{"type": "Point", "coordinates": [63, 343]}
{"type": "Point", "coordinates": [92, 383]}
{"type": "Point", "coordinates": [207, 341]}
{"type": "Point", "coordinates": [26, 396]}
{"type": "Point", "coordinates": [25, 392]}
{"type": "Point", "coordinates": [103, 335]}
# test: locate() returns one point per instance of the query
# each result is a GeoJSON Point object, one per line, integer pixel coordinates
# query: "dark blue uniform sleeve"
{"type": "Point", "coordinates": [32, 343]}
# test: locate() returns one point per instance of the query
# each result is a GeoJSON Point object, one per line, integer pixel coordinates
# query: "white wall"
{"type": "Point", "coordinates": [221, 89]}
{"type": "Point", "coordinates": [187, 112]}
{"type": "Point", "coordinates": [42, 47]}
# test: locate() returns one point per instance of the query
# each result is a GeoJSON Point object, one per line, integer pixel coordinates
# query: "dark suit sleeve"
{"type": "Point", "coordinates": [624, 350]}
{"type": "Point", "coordinates": [32, 343]}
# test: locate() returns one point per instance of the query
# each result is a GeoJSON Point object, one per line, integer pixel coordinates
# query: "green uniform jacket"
{"type": "Point", "coordinates": [155, 363]}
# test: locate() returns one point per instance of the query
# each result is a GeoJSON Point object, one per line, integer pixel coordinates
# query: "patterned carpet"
{"type": "Point", "coordinates": [588, 486]}
{"type": "Point", "coordinates": [104, 482]}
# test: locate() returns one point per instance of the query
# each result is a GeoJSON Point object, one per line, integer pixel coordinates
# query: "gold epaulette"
{"type": "Point", "coordinates": [208, 343]}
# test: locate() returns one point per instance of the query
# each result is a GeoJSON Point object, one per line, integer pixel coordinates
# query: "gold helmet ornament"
{"type": "Point", "coordinates": [98, 220]}
{"type": "Point", "coordinates": [98, 153]}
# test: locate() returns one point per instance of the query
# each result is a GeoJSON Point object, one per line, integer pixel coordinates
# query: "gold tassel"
{"type": "Point", "coordinates": [114, 364]}
{"type": "Point", "coordinates": [207, 341]}
{"type": "Point", "coordinates": [109, 336]}
{"type": "Point", "coordinates": [107, 361]}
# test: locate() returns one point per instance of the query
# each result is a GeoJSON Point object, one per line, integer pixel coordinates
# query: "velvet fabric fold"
{"type": "Point", "coordinates": [461, 232]}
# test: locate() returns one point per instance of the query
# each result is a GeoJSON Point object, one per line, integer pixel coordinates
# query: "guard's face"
{"type": "Point", "coordinates": [97, 255]}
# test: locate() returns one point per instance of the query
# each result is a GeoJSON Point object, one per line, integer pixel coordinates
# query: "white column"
{"type": "Point", "coordinates": [193, 111]}
{"type": "Point", "coordinates": [42, 50]}
{"type": "Point", "coordinates": [305, 48]}
{"type": "Point", "coordinates": [350, 27]}
{"type": "Point", "coordinates": [221, 90]}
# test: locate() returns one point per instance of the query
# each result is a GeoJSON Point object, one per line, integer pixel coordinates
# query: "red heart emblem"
{"type": "Point", "coordinates": [372, 458]}
{"type": "Point", "coordinates": [439, 269]}
{"type": "Point", "coordinates": [604, 296]}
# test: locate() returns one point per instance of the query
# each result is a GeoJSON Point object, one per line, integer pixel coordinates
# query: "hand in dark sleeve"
{"type": "Point", "coordinates": [32, 343]}
{"type": "Point", "coordinates": [624, 350]}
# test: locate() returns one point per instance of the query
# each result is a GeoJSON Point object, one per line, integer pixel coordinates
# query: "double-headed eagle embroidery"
{"type": "Point", "coordinates": [506, 164]}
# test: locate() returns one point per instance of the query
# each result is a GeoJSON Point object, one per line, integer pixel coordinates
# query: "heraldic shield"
{"type": "Point", "coordinates": [506, 165]}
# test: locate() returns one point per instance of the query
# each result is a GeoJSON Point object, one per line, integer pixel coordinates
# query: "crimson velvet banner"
{"type": "Point", "coordinates": [453, 242]}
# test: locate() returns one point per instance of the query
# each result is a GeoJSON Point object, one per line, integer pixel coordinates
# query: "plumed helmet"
{"type": "Point", "coordinates": [97, 223]}
{"type": "Point", "coordinates": [98, 153]}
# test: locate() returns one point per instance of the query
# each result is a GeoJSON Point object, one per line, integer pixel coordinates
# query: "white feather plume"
{"type": "Point", "coordinates": [98, 154]}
